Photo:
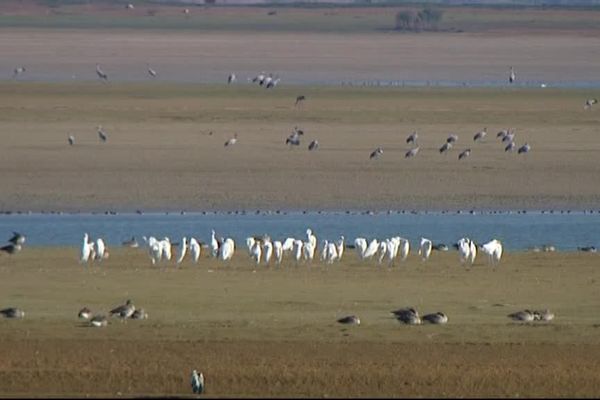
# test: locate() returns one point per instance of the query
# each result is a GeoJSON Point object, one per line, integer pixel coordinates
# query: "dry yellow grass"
{"type": "Point", "coordinates": [273, 332]}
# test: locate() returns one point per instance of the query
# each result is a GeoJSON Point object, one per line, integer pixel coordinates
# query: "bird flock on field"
{"type": "Point", "coordinates": [271, 80]}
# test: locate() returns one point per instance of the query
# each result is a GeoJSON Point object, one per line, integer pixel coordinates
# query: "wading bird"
{"type": "Point", "coordinates": [464, 154]}
{"type": "Point", "coordinates": [412, 138]}
{"type": "Point", "coordinates": [512, 76]}
{"type": "Point", "coordinates": [524, 149]}
{"type": "Point", "coordinates": [18, 71]}
{"type": "Point", "coordinates": [231, 78]}
{"type": "Point", "coordinates": [232, 141]}
{"type": "Point", "coordinates": [480, 135]}
{"type": "Point", "coordinates": [197, 382]}
{"type": "Point", "coordinates": [152, 72]}
{"type": "Point", "coordinates": [493, 249]}
{"type": "Point", "coordinates": [71, 140]}
{"type": "Point", "coordinates": [101, 74]}
{"type": "Point", "coordinates": [299, 99]}
{"type": "Point", "coordinates": [376, 153]}
{"type": "Point", "coordinates": [313, 145]}
{"type": "Point", "coordinates": [101, 134]}
{"type": "Point", "coordinates": [589, 103]}
{"type": "Point", "coordinates": [445, 147]}
{"type": "Point", "coordinates": [425, 249]}
{"type": "Point", "coordinates": [411, 152]}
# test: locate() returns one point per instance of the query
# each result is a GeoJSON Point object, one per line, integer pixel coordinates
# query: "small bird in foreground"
{"type": "Point", "coordinates": [197, 382]}
{"type": "Point", "coordinates": [376, 153]}
{"type": "Point", "coordinates": [349, 320]}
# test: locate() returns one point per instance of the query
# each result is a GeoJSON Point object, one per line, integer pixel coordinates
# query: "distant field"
{"type": "Point", "coordinates": [161, 154]}
{"type": "Point", "coordinates": [99, 15]}
{"type": "Point", "coordinates": [273, 332]}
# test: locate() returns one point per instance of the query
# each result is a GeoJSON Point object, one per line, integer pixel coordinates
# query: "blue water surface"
{"type": "Point", "coordinates": [517, 230]}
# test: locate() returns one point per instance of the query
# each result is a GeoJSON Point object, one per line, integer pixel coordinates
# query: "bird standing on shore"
{"type": "Point", "coordinates": [197, 382]}
{"type": "Point", "coordinates": [512, 76]}
{"type": "Point", "coordinates": [102, 134]}
{"type": "Point", "coordinates": [480, 135]}
{"type": "Point", "coordinates": [412, 138]}
{"type": "Point", "coordinates": [18, 71]}
{"type": "Point", "coordinates": [376, 153]}
{"type": "Point", "coordinates": [589, 103]}
{"type": "Point", "coordinates": [152, 72]}
{"type": "Point", "coordinates": [101, 73]}
{"type": "Point", "coordinates": [411, 152]}
{"type": "Point", "coordinates": [71, 140]}
{"type": "Point", "coordinates": [231, 78]}
{"type": "Point", "coordinates": [299, 99]}
{"type": "Point", "coordinates": [466, 153]}
{"type": "Point", "coordinates": [231, 141]}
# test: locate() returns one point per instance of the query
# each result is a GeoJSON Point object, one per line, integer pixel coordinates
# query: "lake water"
{"type": "Point", "coordinates": [517, 230]}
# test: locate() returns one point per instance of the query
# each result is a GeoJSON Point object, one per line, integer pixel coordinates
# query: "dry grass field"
{"type": "Point", "coordinates": [161, 154]}
{"type": "Point", "coordinates": [272, 332]}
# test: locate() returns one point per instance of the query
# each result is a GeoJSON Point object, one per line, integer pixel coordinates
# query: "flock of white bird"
{"type": "Point", "coordinates": [264, 250]}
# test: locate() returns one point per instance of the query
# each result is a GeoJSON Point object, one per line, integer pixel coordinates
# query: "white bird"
{"type": "Point", "coordinates": [182, 249]}
{"type": "Point", "coordinates": [100, 249]}
{"type": "Point", "coordinates": [186, 11]}
{"type": "Point", "coordinates": [308, 250]}
{"type": "Point", "coordinates": [493, 249]}
{"type": "Point", "coordinates": [214, 244]}
{"type": "Point", "coordinates": [524, 149]}
{"type": "Point", "coordinates": [86, 249]}
{"type": "Point", "coordinates": [278, 250]}
{"type": "Point", "coordinates": [464, 250]}
{"type": "Point", "coordinates": [324, 249]}
{"type": "Point", "coordinates": [165, 248]}
{"type": "Point", "coordinates": [232, 141]}
{"type": "Point", "coordinates": [473, 252]}
{"type": "Point", "coordinates": [130, 6]}
{"type": "Point", "coordinates": [360, 244]}
{"type": "Point", "coordinates": [197, 382]}
{"type": "Point", "coordinates": [312, 239]}
{"type": "Point", "coordinates": [331, 255]}
{"type": "Point", "coordinates": [101, 134]}
{"type": "Point", "coordinates": [18, 71]}
{"type": "Point", "coordinates": [288, 244]}
{"type": "Point", "coordinates": [231, 78]}
{"type": "Point", "coordinates": [411, 153]}
{"type": "Point", "coordinates": [155, 251]}
{"type": "Point", "coordinates": [412, 138]}
{"type": "Point", "coordinates": [228, 249]}
{"type": "Point", "coordinates": [376, 153]}
{"type": "Point", "coordinates": [371, 249]}
{"type": "Point", "coordinates": [340, 245]}
{"type": "Point", "coordinates": [480, 135]}
{"type": "Point", "coordinates": [101, 73]}
{"type": "Point", "coordinates": [250, 240]}
{"type": "Point", "coordinates": [259, 78]}
{"type": "Point", "coordinates": [298, 244]}
{"type": "Point", "coordinates": [512, 76]}
{"type": "Point", "coordinates": [256, 252]}
{"type": "Point", "coordinates": [195, 249]}
{"type": "Point", "coordinates": [404, 248]}
{"type": "Point", "coordinates": [382, 251]}
{"type": "Point", "coordinates": [425, 249]}
{"type": "Point", "coordinates": [152, 72]}
{"type": "Point", "coordinates": [272, 83]}
{"type": "Point", "coordinates": [71, 140]}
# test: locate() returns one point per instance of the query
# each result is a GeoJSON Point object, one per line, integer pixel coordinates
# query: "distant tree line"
{"type": "Point", "coordinates": [415, 21]}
